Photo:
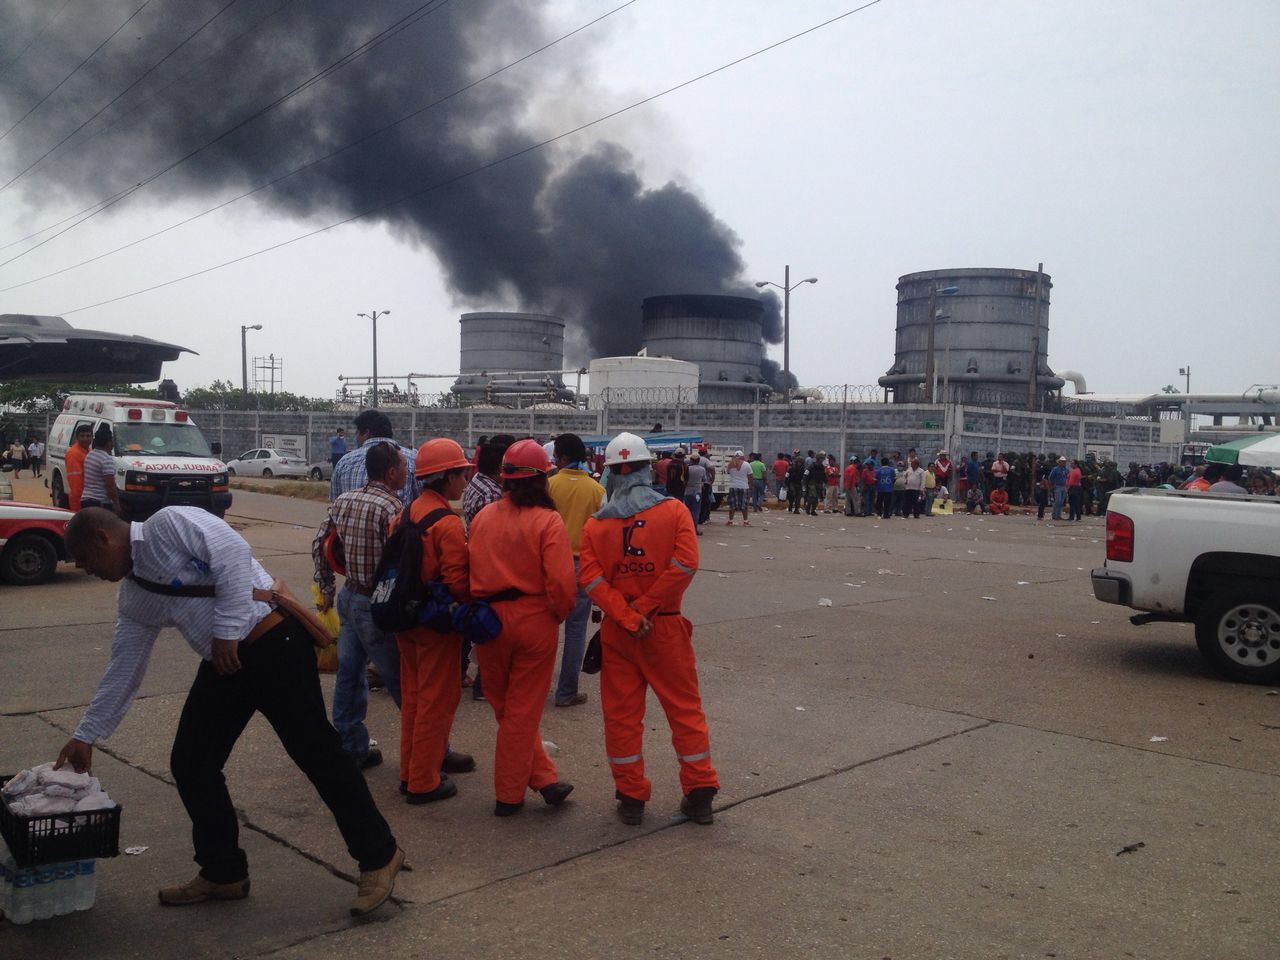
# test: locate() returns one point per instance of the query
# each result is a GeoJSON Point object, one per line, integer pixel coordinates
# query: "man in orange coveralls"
{"type": "Point", "coordinates": [429, 688]}
{"type": "Point", "coordinates": [638, 556]}
{"type": "Point", "coordinates": [75, 464]}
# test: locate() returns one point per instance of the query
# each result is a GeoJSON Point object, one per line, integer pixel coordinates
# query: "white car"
{"type": "Point", "coordinates": [265, 462]}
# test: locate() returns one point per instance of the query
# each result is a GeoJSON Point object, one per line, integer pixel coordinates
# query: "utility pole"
{"type": "Point", "coordinates": [1033, 391]}
{"type": "Point", "coordinates": [373, 315]}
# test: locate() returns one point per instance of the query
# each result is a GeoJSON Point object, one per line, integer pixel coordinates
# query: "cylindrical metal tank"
{"type": "Point", "coordinates": [984, 335]}
{"type": "Point", "coordinates": [638, 380]}
{"type": "Point", "coordinates": [506, 356]}
{"type": "Point", "coordinates": [724, 336]}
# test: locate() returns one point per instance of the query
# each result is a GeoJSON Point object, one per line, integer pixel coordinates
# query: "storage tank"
{"type": "Point", "coordinates": [638, 380]}
{"type": "Point", "coordinates": [984, 335]}
{"type": "Point", "coordinates": [724, 336]}
{"type": "Point", "coordinates": [507, 356]}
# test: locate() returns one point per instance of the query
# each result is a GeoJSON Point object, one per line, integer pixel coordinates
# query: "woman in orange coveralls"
{"type": "Point", "coordinates": [521, 561]}
{"type": "Point", "coordinates": [638, 556]}
{"type": "Point", "coordinates": [429, 687]}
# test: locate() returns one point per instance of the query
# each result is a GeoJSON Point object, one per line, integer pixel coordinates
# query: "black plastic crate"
{"type": "Point", "coordinates": [57, 837]}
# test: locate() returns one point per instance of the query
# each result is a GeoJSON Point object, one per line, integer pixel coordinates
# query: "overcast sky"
{"type": "Point", "coordinates": [1130, 146]}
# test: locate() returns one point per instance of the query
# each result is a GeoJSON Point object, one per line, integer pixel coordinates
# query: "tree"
{"type": "Point", "coordinates": [1169, 388]}
{"type": "Point", "coordinates": [31, 396]}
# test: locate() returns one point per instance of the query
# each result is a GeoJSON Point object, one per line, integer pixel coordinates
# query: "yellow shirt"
{"type": "Point", "coordinates": [577, 497]}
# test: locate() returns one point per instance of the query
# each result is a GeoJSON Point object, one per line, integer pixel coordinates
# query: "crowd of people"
{"type": "Point", "coordinates": [538, 542]}
{"type": "Point", "coordinates": [894, 484]}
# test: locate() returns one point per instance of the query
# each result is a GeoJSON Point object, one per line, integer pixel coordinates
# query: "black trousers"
{"type": "Point", "coordinates": [278, 678]}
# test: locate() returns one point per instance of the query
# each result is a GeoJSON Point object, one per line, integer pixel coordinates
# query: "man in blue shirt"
{"type": "Point", "coordinates": [337, 446]}
{"type": "Point", "coordinates": [1058, 481]}
{"type": "Point", "coordinates": [349, 473]}
{"type": "Point", "coordinates": [973, 474]}
{"type": "Point", "coordinates": [885, 477]}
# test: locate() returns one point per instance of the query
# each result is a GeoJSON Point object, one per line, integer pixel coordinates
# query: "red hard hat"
{"type": "Point", "coordinates": [334, 553]}
{"type": "Point", "coordinates": [524, 459]}
{"type": "Point", "coordinates": [437, 456]}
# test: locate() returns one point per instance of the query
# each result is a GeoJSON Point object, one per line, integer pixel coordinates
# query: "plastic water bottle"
{"type": "Point", "coordinates": [43, 892]}
{"type": "Point", "coordinates": [21, 902]}
{"type": "Point", "coordinates": [64, 899]}
{"type": "Point", "coordinates": [85, 884]}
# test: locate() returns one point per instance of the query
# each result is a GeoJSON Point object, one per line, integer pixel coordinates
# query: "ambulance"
{"type": "Point", "coordinates": [162, 458]}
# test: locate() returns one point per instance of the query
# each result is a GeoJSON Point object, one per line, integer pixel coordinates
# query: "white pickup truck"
{"type": "Point", "coordinates": [1202, 558]}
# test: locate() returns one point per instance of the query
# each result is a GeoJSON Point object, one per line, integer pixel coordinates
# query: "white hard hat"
{"type": "Point", "coordinates": [625, 448]}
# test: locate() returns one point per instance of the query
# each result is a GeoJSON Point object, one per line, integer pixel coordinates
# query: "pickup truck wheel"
{"type": "Point", "coordinates": [1239, 634]}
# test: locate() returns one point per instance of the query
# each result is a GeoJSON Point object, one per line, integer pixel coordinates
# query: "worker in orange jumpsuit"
{"type": "Point", "coordinates": [429, 688]}
{"type": "Point", "coordinates": [75, 464]}
{"type": "Point", "coordinates": [999, 501]}
{"type": "Point", "coordinates": [521, 562]}
{"type": "Point", "coordinates": [638, 556]}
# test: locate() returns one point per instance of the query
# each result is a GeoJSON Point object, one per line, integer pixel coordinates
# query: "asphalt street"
{"type": "Point", "coordinates": [933, 743]}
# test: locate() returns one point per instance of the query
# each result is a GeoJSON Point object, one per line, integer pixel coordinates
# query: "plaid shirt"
{"type": "Point", "coordinates": [480, 492]}
{"type": "Point", "coordinates": [362, 518]}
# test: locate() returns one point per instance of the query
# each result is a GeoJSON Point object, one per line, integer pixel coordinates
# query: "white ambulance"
{"type": "Point", "coordinates": [162, 458]}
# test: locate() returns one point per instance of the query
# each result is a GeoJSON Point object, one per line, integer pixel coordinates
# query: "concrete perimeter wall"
{"type": "Point", "coordinates": [842, 429]}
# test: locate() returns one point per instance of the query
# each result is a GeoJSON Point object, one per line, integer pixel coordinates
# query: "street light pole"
{"type": "Point", "coordinates": [786, 287]}
{"type": "Point", "coordinates": [374, 315]}
{"type": "Point", "coordinates": [1186, 372]}
{"type": "Point", "coordinates": [244, 356]}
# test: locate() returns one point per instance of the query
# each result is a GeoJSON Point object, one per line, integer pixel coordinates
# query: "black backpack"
{"type": "Point", "coordinates": [399, 595]}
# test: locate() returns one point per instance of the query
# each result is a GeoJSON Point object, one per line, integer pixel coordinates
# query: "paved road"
{"type": "Point", "coordinates": [943, 762]}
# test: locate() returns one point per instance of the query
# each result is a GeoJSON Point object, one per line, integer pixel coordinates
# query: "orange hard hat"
{"type": "Point", "coordinates": [437, 456]}
{"type": "Point", "coordinates": [525, 458]}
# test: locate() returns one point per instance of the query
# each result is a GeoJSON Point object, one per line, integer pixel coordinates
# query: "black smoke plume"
{"type": "Point", "coordinates": [570, 229]}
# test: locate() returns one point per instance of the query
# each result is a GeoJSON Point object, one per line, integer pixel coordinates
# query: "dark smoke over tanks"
{"type": "Point", "coordinates": [570, 230]}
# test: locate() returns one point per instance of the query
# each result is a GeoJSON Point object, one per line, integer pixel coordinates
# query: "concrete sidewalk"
{"type": "Point", "coordinates": [913, 771]}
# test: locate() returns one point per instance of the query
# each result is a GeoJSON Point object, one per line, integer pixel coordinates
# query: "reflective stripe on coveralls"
{"type": "Point", "coordinates": [640, 567]}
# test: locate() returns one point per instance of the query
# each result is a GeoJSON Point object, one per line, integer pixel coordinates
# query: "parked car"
{"type": "Point", "coordinates": [320, 470]}
{"type": "Point", "coordinates": [31, 541]}
{"type": "Point", "coordinates": [265, 462]}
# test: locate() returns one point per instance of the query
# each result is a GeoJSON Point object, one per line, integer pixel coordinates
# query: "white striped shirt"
{"type": "Point", "coordinates": [178, 546]}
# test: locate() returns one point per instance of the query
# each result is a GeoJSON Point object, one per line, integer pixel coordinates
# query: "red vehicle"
{"type": "Point", "coordinates": [31, 541]}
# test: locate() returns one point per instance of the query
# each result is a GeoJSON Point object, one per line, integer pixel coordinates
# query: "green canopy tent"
{"type": "Point", "coordinates": [1260, 450]}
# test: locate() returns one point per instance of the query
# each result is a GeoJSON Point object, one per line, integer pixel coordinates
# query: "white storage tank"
{"type": "Point", "coordinates": [637, 380]}
{"type": "Point", "coordinates": [511, 355]}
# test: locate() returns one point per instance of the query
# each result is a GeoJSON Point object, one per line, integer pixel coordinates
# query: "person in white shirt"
{"type": "Point", "coordinates": [187, 569]}
{"type": "Point", "coordinates": [740, 477]}
{"type": "Point", "coordinates": [915, 480]}
{"type": "Point", "coordinates": [35, 456]}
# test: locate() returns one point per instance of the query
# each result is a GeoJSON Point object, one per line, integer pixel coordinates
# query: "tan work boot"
{"type": "Point", "coordinates": [376, 885]}
{"type": "Point", "coordinates": [199, 890]}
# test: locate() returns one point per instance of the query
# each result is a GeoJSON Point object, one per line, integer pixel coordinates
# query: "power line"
{"type": "Point", "coordinates": [101, 110]}
{"type": "Point", "coordinates": [142, 103]}
{"type": "Point", "coordinates": [311, 163]}
{"type": "Point", "coordinates": [410, 19]}
{"type": "Point", "coordinates": [487, 166]}
{"type": "Point", "coordinates": [145, 4]}
{"type": "Point", "coordinates": [4, 67]}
